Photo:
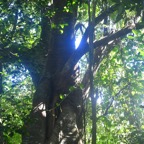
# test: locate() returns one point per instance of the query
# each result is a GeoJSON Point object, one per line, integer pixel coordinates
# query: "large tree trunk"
{"type": "Point", "coordinates": [52, 120]}
{"type": "Point", "coordinates": [68, 128]}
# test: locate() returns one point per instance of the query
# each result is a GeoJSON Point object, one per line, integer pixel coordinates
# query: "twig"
{"type": "Point", "coordinates": [111, 102]}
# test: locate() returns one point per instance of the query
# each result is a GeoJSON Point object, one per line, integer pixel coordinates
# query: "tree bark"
{"type": "Point", "coordinates": [52, 120]}
{"type": "Point", "coordinates": [68, 128]}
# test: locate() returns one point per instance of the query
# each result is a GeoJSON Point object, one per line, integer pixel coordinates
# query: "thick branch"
{"type": "Point", "coordinates": [98, 57]}
{"type": "Point", "coordinates": [83, 49]}
{"type": "Point", "coordinates": [106, 13]}
{"type": "Point", "coordinates": [45, 29]}
{"type": "Point", "coordinates": [98, 19]}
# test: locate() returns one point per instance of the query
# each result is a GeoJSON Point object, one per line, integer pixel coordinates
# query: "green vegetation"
{"type": "Point", "coordinates": [46, 82]}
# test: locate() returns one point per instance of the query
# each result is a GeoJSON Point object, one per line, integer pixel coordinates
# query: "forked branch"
{"type": "Point", "coordinates": [83, 49]}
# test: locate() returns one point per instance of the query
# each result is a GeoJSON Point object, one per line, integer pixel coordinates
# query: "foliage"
{"type": "Point", "coordinates": [119, 80]}
{"type": "Point", "coordinates": [120, 85]}
{"type": "Point", "coordinates": [15, 101]}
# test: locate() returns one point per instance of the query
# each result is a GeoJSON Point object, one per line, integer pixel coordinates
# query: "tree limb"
{"type": "Point", "coordinates": [99, 56]}
{"type": "Point", "coordinates": [97, 21]}
{"type": "Point", "coordinates": [83, 49]}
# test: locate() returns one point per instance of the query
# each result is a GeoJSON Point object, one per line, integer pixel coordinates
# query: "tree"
{"type": "Point", "coordinates": [40, 35]}
{"type": "Point", "coordinates": [15, 102]}
{"type": "Point", "coordinates": [119, 83]}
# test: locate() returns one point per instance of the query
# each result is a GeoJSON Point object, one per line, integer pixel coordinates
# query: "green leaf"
{"type": "Point", "coordinates": [130, 37]}
{"type": "Point", "coordinates": [57, 104]}
{"type": "Point", "coordinates": [136, 32]}
{"type": "Point", "coordinates": [72, 88]}
{"type": "Point", "coordinates": [61, 97]}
